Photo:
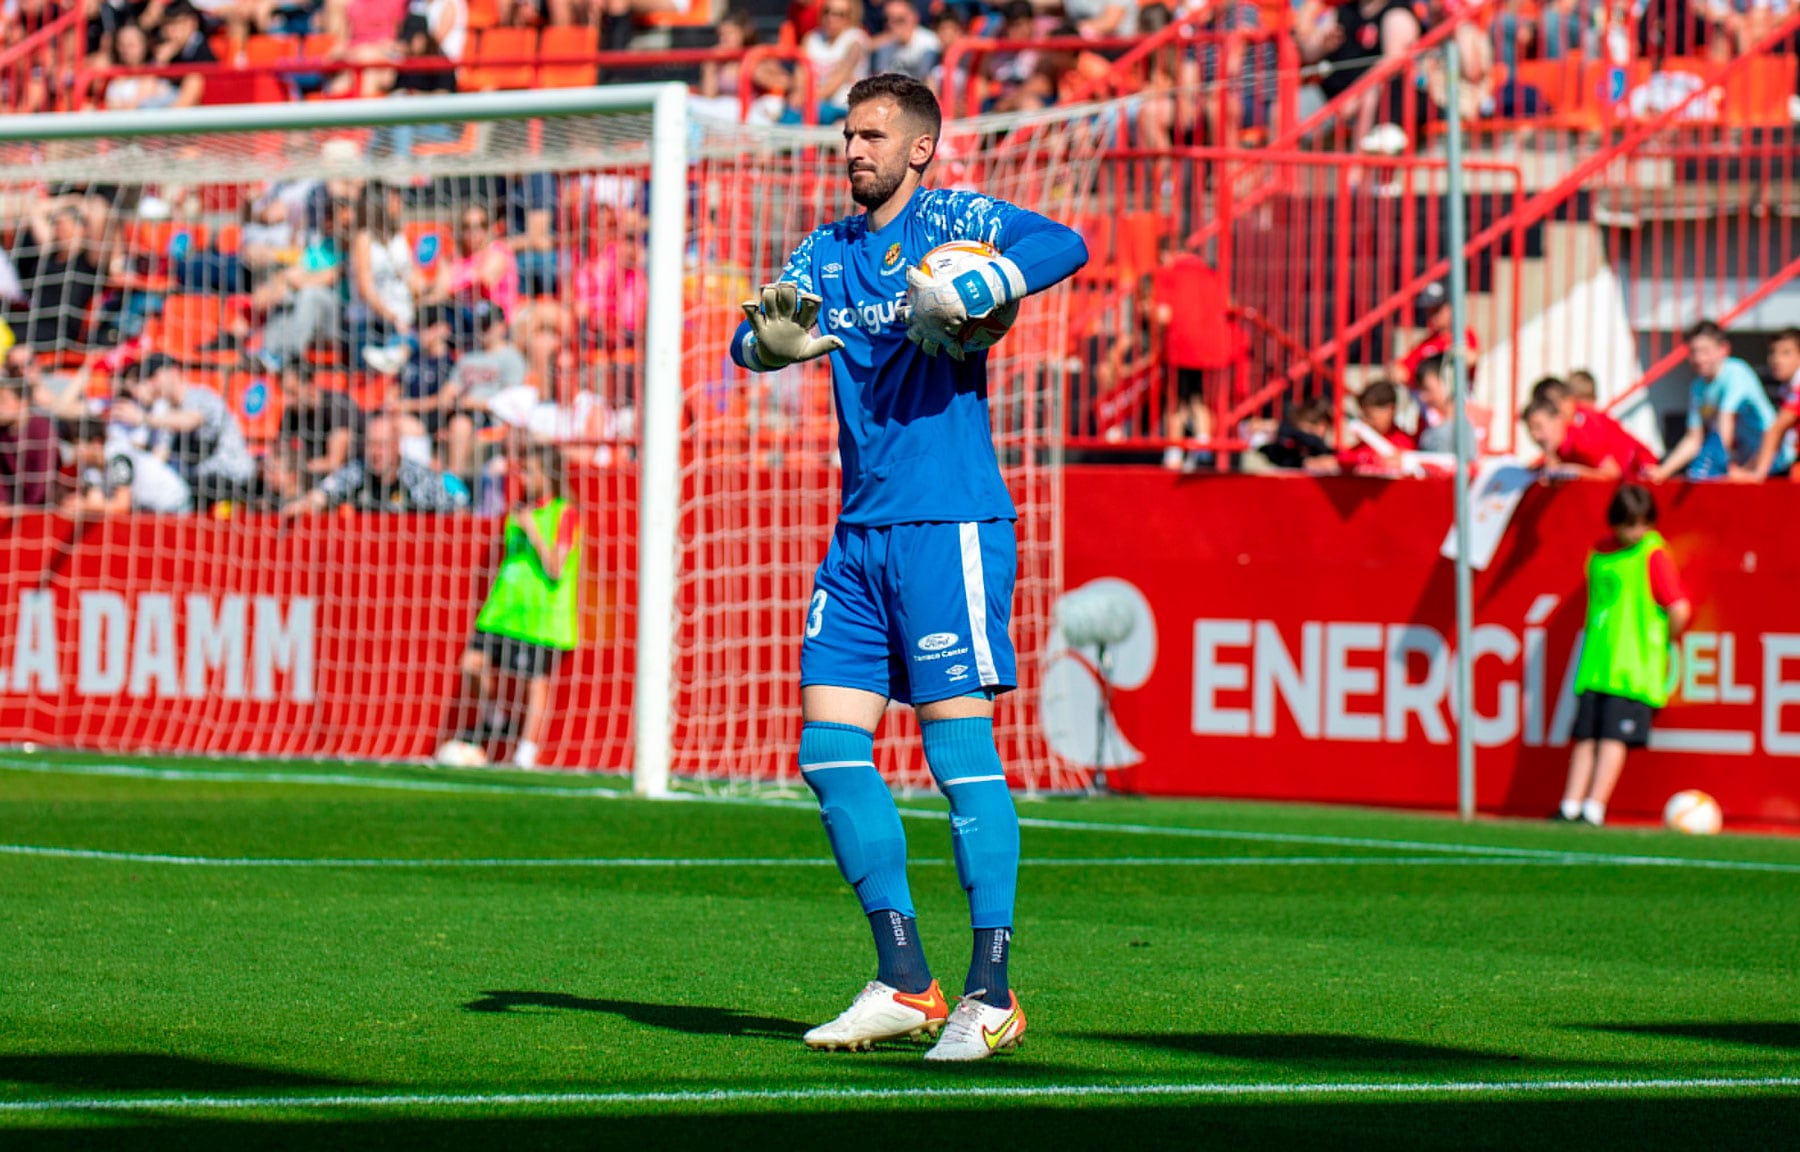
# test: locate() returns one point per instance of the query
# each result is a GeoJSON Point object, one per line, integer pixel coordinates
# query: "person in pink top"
{"type": "Point", "coordinates": [608, 294]}
{"type": "Point", "coordinates": [484, 271]}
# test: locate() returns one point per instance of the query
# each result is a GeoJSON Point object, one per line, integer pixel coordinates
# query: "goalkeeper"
{"type": "Point", "coordinates": [913, 598]}
{"type": "Point", "coordinates": [530, 618]}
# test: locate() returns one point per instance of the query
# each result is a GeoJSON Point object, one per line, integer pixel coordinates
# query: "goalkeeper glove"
{"type": "Point", "coordinates": [780, 323]}
{"type": "Point", "coordinates": [939, 308]}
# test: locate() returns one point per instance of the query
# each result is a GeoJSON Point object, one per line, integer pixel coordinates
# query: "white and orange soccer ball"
{"type": "Point", "coordinates": [950, 260]}
{"type": "Point", "coordinates": [460, 754]}
{"type": "Point", "coordinates": [1693, 812]}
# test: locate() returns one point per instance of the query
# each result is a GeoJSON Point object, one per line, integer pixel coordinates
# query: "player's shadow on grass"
{"type": "Point", "coordinates": [1317, 1050]}
{"type": "Point", "coordinates": [1761, 1034]}
{"type": "Point", "coordinates": [695, 1020]}
{"type": "Point", "coordinates": [143, 1071]}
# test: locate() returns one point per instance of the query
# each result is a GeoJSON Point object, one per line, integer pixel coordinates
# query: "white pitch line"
{"type": "Point", "coordinates": [100, 854]}
{"type": "Point", "coordinates": [428, 863]}
{"type": "Point", "coordinates": [912, 1095]}
{"type": "Point", "coordinates": [337, 780]}
{"type": "Point", "coordinates": [1298, 838]}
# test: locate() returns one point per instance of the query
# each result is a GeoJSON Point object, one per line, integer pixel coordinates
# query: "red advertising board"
{"type": "Point", "coordinates": [1302, 634]}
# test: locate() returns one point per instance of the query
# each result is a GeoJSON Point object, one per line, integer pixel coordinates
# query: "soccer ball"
{"type": "Point", "coordinates": [1693, 812]}
{"type": "Point", "coordinates": [948, 261]}
{"type": "Point", "coordinates": [461, 754]}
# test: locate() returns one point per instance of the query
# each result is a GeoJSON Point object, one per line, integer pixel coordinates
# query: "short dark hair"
{"type": "Point", "coordinates": [1787, 336]}
{"type": "Point", "coordinates": [1541, 406]}
{"type": "Point", "coordinates": [1631, 504]}
{"type": "Point", "coordinates": [1708, 329]}
{"type": "Point", "coordinates": [1584, 374]}
{"type": "Point", "coordinates": [1380, 394]}
{"type": "Point", "coordinates": [1314, 411]}
{"type": "Point", "coordinates": [1432, 366]}
{"type": "Point", "coordinates": [916, 100]}
{"type": "Point", "coordinates": [1549, 388]}
{"type": "Point", "coordinates": [86, 430]}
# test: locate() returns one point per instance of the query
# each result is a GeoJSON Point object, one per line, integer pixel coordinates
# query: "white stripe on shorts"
{"type": "Point", "coordinates": [969, 780]}
{"type": "Point", "coordinates": [975, 593]}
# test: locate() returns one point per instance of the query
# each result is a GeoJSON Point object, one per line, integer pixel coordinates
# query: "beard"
{"type": "Point", "coordinates": [879, 189]}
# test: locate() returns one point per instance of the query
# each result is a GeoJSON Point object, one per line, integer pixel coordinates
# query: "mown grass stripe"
{"type": "Point", "coordinates": [911, 1095]}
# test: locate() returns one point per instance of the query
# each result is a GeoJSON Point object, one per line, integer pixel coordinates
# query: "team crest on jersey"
{"type": "Point", "coordinates": [892, 258]}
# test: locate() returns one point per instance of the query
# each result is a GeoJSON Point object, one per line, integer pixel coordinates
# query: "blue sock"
{"type": "Point", "coordinates": [838, 764]}
{"type": "Point", "coordinates": [984, 831]}
{"type": "Point", "coordinates": [899, 959]}
{"type": "Point", "coordinates": [987, 965]}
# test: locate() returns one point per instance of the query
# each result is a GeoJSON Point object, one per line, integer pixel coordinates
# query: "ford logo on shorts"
{"type": "Point", "coordinates": [937, 641]}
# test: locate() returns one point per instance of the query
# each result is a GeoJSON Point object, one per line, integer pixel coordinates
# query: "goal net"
{"type": "Point", "coordinates": [286, 367]}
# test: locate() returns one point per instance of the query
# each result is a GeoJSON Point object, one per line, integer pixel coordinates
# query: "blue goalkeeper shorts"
{"type": "Point", "coordinates": [914, 612]}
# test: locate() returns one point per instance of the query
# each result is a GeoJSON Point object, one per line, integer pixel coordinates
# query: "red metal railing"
{"type": "Point", "coordinates": [33, 72]}
{"type": "Point", "coordinates": [88, 85]}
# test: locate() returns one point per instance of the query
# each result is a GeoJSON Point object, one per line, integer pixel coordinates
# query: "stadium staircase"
{"type": "Point", "coordinates": [1593, 237]}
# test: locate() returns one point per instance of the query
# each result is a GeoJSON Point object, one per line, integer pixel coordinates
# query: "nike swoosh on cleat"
{"type": "Point", "coordinates": [994, 1038]}
{"type": "Point", "coordinates": [925, 1002]}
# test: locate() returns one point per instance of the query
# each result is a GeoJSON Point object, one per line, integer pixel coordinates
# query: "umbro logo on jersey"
{"type": "Point", "coordinates": [832, 272]}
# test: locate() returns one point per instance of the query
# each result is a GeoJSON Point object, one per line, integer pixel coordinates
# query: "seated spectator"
{"type": "Point", "coordinates": [1437, 407]}
{"type": "Point", "coordinates": [206, 445]}
{"type": "Point", "coordinates": [719, 97]}
{"type": "Point", "coordinates": [838, 50]}
{"type": "Point", "coordinates": [531, 205]}
{"type": "Point", "coordinates": [129, 93]}
{"type": "Point", "coordinates": [384, 281]}
{"type": "Point", "coordinates": [609, 293]}
{"type": "Point", "coordinates": [1101, 19]}
{"type": "Point", "coordinates": [1584, 387]}
{"type": "Point", "coordinates": [1303, 435]}
{"type": "Point", "coordinates": [302, 295]}
{"type": "Point", "coordinates": [446, 21]}
{"type": "Point", "coordinates": [184, 43]}
{"type": "Point", "coordinates": [422, 397]}
{"type": "Point", "coordinates": [1008, 70]}
{"type": "Point", "coordinates": [59, 274]}
{"type": "Point", "coordinates": [417, 45]}
{"type": "Point", "coordinates": [281, 478]}
{"type": "Point", "coordinates": [1784, 369]}
{"type": "Point", "coordinates": [60, 396]}
{"type": "Point", "coordinates": [383, 480]}
{"type": "Point", "coordinates": [1579, 438]}
{"type": "Point", "coordinates": [1728, 411]}
{"type": "Point", "coordinates": [950, 25]}
{"type": "Point", "coordinates": [483, 271]}
{"type": "Point", "coordinates": [1375, 440]}
{"type": "Point", "coordinates": [1252, 66]}
{"type": "Point", "coordinates": [29, 463]}
{"type": "Point", "coordinates": [115, 476]}
{"type": "Point", "coordinates": [365, 32]}
{"type": "Point", "coordinates": [904, 46]}
{"type": "Point", "coordinates": [1434, 315]}
{"type": "Point", "coordinates": [320, 425]}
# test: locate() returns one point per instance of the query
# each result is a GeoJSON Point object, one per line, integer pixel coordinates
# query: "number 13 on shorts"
{"type": "Point", "coordinates": [914, 612]}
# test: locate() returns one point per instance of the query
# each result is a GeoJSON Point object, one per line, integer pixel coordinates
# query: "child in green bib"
{"type": "Point", "coordinates": [531, 615]}
{"type": "Point", "coordinates": [1636, 605]}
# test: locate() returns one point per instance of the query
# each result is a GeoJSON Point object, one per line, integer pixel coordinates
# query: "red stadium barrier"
{"type": "Point", "coordinates": [34, 72]}
{"type": "Point", "coordinates": [1303, 632]}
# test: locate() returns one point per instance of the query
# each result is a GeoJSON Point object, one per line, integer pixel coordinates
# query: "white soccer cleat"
{"type": "Point", "coordinates": [977, 1030]}
{"type": "Point", "coordinates": [882, 1012]}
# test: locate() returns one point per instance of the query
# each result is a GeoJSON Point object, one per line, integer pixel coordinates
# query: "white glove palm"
{"type": "Point", "coordinates": [781, 323]}
{"type": "Point", "coordinates": [934, 314]}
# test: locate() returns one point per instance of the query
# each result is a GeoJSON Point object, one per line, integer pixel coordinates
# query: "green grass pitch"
{"type": "Point", "coordinates": [265, 954]}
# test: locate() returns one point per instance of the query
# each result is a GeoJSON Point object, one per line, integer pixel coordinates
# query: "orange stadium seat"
{"type": "Point", "coordinates": [260, 50]}
{"type": "Point", "coordinates": [430, 241]}
{"type": "Point", "coordinates": [186, 323]}
{"type": "Point", "coordinates": [257, 403]}
{"type": "Point", "coordinates": [483, 14]}
{"type": "Point", "coordinates": [501, 44]}
{"type": "Point", "coordinates": [317, 45]}
{"type": "Point", "coordinates": [568, 42]}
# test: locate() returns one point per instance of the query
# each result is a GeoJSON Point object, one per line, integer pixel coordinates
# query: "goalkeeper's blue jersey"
{"type": "Point", "coordinates": [913, 430]}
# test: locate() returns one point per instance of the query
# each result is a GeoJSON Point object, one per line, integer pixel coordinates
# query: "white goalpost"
{"type": "Point", "coordinates": [631, 233]}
